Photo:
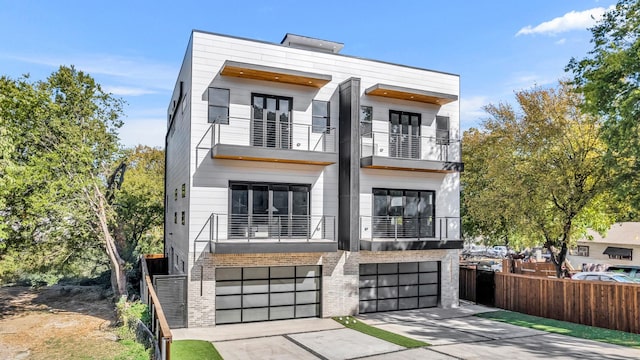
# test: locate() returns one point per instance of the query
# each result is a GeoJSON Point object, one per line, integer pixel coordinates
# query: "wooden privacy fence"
{"type": "Point", "coordinates": [528, 268]}
{"type": "Point", "coordinates": [159, 326]}
{"type": "Point", "coordinates": [603, 304]}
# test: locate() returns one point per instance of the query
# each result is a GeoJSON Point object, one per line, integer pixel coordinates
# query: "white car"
{"type": "Point", "coordinates": [603, 276]}
{"type": "Point", "coordinates": [498, 251]}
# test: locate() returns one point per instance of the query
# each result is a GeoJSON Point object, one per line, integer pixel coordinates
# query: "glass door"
{"type": "Point", "coordinates": [404, 135]}
{"type": "Point", "coordinates": [271, 121]}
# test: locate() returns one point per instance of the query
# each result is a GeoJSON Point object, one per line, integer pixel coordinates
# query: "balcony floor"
{"type": "Point", "coordinates": [254, 153]}
{"type": "Point", "coordinates": [259, 246]}
{"type": "Point", "coordinates": [383, 162]}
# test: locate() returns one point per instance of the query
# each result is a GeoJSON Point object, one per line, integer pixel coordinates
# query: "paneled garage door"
{"type": "Point", "coordinates": [399, 286]}
{"type": "Point", "coordinates": [267, 293]}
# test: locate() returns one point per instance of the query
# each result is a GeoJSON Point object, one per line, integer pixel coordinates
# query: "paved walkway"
{"type": "Point", "coordinates": [453, 334]}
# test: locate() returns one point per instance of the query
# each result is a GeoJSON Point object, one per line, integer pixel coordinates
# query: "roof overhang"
{"type": "Point", "coordinates": [617, 251]}
{"type": "Point", "coordinates": [403, 93]}
{"type": "Point", "coordinates": [270, 73]}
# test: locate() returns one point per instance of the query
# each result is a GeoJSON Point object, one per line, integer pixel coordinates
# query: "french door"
{"type": "Point", "coordinates": [269, 211]}
{"type": "Point", "coordinates": [403, 213]}
{"type": "Point", "coordinates": [404, 135]}
{"type": "Point", "coordinates": [271, 121]}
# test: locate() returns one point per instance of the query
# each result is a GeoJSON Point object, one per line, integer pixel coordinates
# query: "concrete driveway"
{"type": "Point", "coordinates": [453, 333]}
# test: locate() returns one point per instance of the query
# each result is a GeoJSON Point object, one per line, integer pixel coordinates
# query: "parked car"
{"type": "Point", "coordinates": [489, 265]}
{"type": "Point", "coordinates": [629, 270]}
{"type": "Point", "coordinates": [603, 276]}
{"type": "Point", "coordinates": [497, 251]}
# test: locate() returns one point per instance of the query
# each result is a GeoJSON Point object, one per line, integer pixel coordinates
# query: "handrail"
{"type": "Point", "coordinates": [270, 133]}
{"type": "Point", "coordinates": [398, 228]}
{"type": "Point", "coordinates": [408, 146]}
{"type": "Point", "coordinates": [159, 325]}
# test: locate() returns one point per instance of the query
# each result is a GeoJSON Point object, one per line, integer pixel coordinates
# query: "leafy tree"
{"type": "Point", "coordinates": [609, 78]}
{"type": "Point", "coordinates": [539, 173]}
{"type": "Point", "coordinates": [139, 204]}
{"type": "Point", "coordinates": [62, 147]}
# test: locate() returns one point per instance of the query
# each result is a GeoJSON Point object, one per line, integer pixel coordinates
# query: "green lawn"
{"type": "Point", "coordinates": [352, 323]}
{"type": "Point", "coordinates": [193, 349]}
{"type": "Point", "coordinates": [565, 328]}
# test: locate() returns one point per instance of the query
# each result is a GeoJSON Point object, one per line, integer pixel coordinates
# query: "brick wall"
{"type": "Point", "coordinates": [340, 271]}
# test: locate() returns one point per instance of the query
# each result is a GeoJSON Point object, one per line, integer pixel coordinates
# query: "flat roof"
{"type": "Point", "coordinates": [305, 49]}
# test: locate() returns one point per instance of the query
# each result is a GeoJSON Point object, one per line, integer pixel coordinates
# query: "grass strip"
{"type": "Point", "coordinates": [351, 323]}
{"type": "Point", "coordinates": [615, 337]}
{"type": "Point", "coordinates": [194, 349]}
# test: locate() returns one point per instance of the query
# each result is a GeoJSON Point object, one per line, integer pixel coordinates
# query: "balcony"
{"type": "Point", "coordinates": [271, 141]}
{"type": "Point", "coordinates": [392, 233]}
{"type": "Point", "coordinates": [382, 150]}
{"type": "Point", "coordinates": [239, 234]}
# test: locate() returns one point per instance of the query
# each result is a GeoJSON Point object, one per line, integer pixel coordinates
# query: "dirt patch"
{"type": "Point", "coordinates": [59, 322]}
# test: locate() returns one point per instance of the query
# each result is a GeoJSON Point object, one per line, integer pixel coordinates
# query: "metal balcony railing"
{"type": "Point", "coordinates": [405, 146]}
{"type": "Point", "coordinates": [270, 134]}
{"type": "Point", "coordinates": [270, 228]}
{"type": "Point", "coordinates": [399, 228]}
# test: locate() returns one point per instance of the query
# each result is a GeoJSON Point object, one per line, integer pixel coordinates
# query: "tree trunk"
{"type": "Point", "coordinates": [118, 275]}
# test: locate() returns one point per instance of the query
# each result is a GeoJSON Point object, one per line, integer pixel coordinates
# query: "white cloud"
{"type": "Point", "coordinates": [573, 20]}
{"type": "Point", "coordinates": [142, 72]}
{"type": "Point", "coordinates": [471, 110]}
{"type": "Point", "coordinates": [127, 91]}
{"type": "Point", "coordinates": [143, 131]}
{"type": "Point", "coordinates": [561, 41]}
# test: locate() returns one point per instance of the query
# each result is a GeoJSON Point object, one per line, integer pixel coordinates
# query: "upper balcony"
{"type": "Point", "coordinates": [392, 233]}
{"type": "Point", "coordinates": [383, 150]}
{"type": "Point", "coordinates": [271, 141]}
{"type": "Point", "coordinates": [287, 233]}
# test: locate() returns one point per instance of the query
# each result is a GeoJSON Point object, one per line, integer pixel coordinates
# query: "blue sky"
{"type": "Point", "coordinates": [135, 48]}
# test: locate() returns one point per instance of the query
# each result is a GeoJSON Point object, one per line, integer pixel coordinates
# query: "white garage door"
{"type": "Point", "coordinates": [267, 293]}
{"type": "Point", "coordinates": [399, 286]}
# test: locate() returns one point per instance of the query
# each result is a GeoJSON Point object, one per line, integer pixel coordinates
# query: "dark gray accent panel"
{"type": "Point", "coordinates": [273, 247]}
{"type": "Point", "coordinates": [410, 164]}
{"type": "Point", "coordinates": [348, 166]}
{"type": "Point", "coordinates": [409, 245]}
{"type": "Point", "coordinates": [225, 151]}
{"type": "Point", "coordinates": [172, 293]}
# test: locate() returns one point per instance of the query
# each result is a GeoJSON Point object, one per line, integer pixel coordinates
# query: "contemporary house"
{"type": "Point", "coordinates": [301, 182]}
{"type": "Point", "coordinates": [620, 246]}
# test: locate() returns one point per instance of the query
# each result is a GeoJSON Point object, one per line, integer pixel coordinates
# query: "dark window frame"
{"type": "Point", "coordinates": [213, 104]}
{"type": "Point", "coordinates": [320, 123]}
{"type": "Point", "coordinates": [366, 121]}
{"type": "Point", "coordinates": [582, 250]}
{"type": "Point", "coordinates": [389, 210]}
{"type": "Point", "coordinates": [443, 136]}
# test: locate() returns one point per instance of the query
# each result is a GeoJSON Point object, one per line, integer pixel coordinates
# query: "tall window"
{"type": "Point", "coordinates": [404, 134]}
{"type": "Point", "coordinates": [321, 119]}
{"type": "Point", "coordinates": [403, 213]}
{"type": "Point", "coordinates": [269, 210]}
{"type": "Point", "coordinates": [366, 114]}
{"type": "Point", "coordinates": [218, 105]}
{"type": "Point", "coordinates": [442, 130]}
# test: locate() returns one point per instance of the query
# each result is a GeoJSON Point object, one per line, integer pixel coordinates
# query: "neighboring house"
{"type": "Point", "coordinates": [305, 183]}
{"type": "Point", "coordinates": [620, 246]}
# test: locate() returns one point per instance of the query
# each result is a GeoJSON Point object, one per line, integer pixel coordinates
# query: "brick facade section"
{"type": "Point", "coordinates": [340, 272]}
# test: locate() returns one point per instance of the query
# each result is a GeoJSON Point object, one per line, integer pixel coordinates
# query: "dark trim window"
{"type": "Point", "coordinates": [175, 195]}
{"type": "Point", "coordinates": [321, 120]}
{"type": "Point", "coordinates": [582, 250]}
{"type": "Point", "coordinates": [442, 130]}
{"type": "Point", "coordinates": [218, 105]}
{"type": "Point", "coordinates": [268, 210]}
{"type": "Point", "coordinates": [403, 213]}
{"type": "Point", "coordinates": [271, 122]}
{"type": "Point", "coordinates": [366, 115]}
{"type": "Point", "coordinates": [184, 190]}
{"type": "Point", "coordinates": [618, 253]}
{"type": "Point", "coordinates": [175, 217]}
{"type": "Point", "coordinates": [183, 218]}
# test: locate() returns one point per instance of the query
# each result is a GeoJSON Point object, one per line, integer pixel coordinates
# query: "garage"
{"type": "Point", "coordinates": [267, 293]}
{"type": "Point", "coordinates": [399, 286]}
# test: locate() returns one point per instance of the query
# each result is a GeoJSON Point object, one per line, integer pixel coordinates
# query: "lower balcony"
{"type": "Point", "coordinates": [392, 233]}
{"type": "Point", "coordinates": [240, 234]}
